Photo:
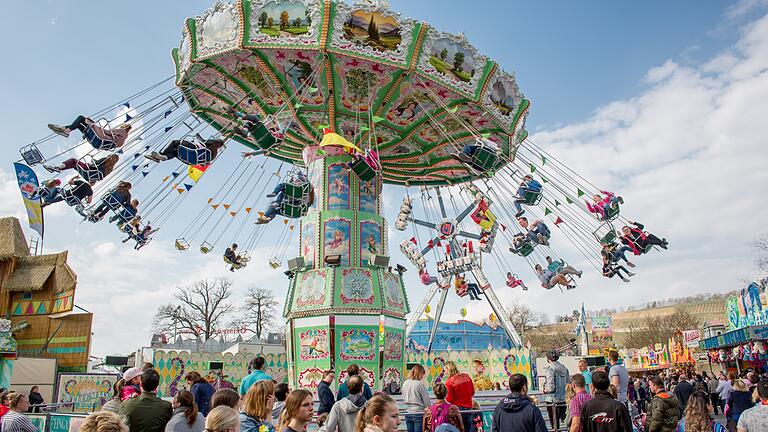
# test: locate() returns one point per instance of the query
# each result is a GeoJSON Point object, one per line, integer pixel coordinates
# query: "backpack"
{"type": "Point", "coordinates": [439, 414]}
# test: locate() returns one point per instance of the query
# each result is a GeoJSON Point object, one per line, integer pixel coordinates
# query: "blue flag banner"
{"type": "Point", "coordinates": [28, 185]}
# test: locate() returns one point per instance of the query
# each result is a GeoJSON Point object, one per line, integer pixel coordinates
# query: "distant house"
{"type": "Point", "coordinates": [37, 293]}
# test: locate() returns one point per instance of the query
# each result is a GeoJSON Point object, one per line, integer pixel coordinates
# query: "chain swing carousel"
{"type": "Point", "coordinates": [334, 100]}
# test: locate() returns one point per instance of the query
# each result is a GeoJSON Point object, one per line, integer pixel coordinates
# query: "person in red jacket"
{"type": "Point", "coordinates": [638, 239]}
{"type": "Point", "coordinates": [460, 392]}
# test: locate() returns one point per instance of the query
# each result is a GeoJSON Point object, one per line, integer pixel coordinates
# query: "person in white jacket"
{"type": "Point", "coordinates": [344, 411]}
{"type": "Point", "coordinates": [416, 399]}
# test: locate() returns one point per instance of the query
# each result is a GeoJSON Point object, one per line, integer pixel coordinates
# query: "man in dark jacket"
{"type": "Point", "coordinates": [343, 392]}
{"type": "Point", "coordinates": [664, 410]}
{"type": "Point", "coordinates": [324, 393]}
{"type": "Point", "coordinates": [683, 392]}
{"type": "Point", "coordinates": [516, 412]}
{"type": "Point", "coordinates": [603, 413]}
{"type": "Point", "coordinates": [147, 412]}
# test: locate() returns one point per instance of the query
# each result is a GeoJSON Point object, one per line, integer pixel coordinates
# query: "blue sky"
{"type": "Point", "coordinates": [608, 81]}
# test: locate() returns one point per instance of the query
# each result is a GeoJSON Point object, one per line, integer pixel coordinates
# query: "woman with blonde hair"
{"type": "Point", "coordinates": [461, 389]}
{"type": "Point", "coordinates": [696, 417]}
{"type": "Point", "coordinates": [257, 407]}
{"type": "Point", "coordinates": [103, 421]}
{"type": "Point", "coordinates": [416, 399]}
{"type": "Point", "coordinates": [222, 419]}
{"type": "Point", "coordinates": [380, 414]}
{"type": "Point", "coordinates": [297, 412]}
{"type": "Point", "coordinates": [16, 421]}
{"type": "Point", "coordinates": [739, 401]}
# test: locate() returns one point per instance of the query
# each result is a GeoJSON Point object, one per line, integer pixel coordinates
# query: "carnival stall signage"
{"type": "Point", "coordinates": [84, 393]}
{"type": "Point", "coordinates": [602, 329]}
{"type": "Point", "coordinates": [691, 338]}
{"type": "Point", "coordinates": [747, 308]}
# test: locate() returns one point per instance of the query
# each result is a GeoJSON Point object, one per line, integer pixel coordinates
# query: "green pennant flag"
{"type": "Point", "coordinates": [323, 126]}
{"type": "Point", "coordinates": [454, 109]}
{"type": "Point", "coordinates": [543, 159]}
{"type": "Point", "coordinates": [544, 179]}
{"type": "Point", "coordinates": [377, 119]}
{"type": "Point", "coordinates": [364, 128]}
{"type": "Point", "coordinates": [533, 168]}
{"type": "Point", "coordinates": [557, 203]}
{"type": "Point", "coordinates": [485, 135]}
{"type": "Point", "coordinates": [568, 200]}
{"type": "Point", "coordinates": [312, 89]}
{"type": "Point", "coordinates": [547, 211]}
{"type": "Point", "coordinates": [580, 192]}
{"type": "Point", "coordinates": [321, 152]}
{"type": "Point", "coordinates": [298, 106]}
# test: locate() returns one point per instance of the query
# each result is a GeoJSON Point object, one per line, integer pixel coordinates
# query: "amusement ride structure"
{"type": "Point", "coordinates": [334, 100]}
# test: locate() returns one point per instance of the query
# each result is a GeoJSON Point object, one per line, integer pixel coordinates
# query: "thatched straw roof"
{"type": "Point", "coordinates": [12, 241]}
{"type": "Point", "coordinates": [33, 272]}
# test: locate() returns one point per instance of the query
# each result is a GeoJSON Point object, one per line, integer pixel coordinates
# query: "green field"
{"type": "Point", "coordinates": [447, 68]}
{"type": "Point", "coordinates": [269, 31]}
{"type": "Point", "coordinates": [297, 30]}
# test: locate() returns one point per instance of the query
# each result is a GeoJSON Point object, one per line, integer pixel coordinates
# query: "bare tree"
{"type": "Point", "coordinates": [259, 309]}
{"type": "Point", "coordinates": [523, 318]}
{"type": "Point", "coordinates": [199, 308]}
{"type": "Point", "coordinates": [760, 244]}
{"type": "Point", "coordinates": [659, 329]}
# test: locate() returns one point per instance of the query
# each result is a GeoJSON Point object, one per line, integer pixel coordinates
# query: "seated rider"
{"type": "Point", "coordinates": [426, 279]}
{"type": "Point", "coordinates": [611, 269]}
{"type": "Point", "coordinates": [615, 253]}
{"type": "Point", "coordinates": [127, 213]}
{"type": "Point", "coordinates": [48, 191]}
{"type": "Point", "coordinates": [603, 205]}
{"type": "Point", "coordinates": [297, 178]}
{"type": "Point", "coordinates": [116, 136]}
{"type": "Point", "coordinates": [371, 158]}
{"type": "Point", "coordinates": [471, 288]}
{"type": "Point", "coordinates": [519, 242]}
{"type": "Point", "coordinates": [549, 279]}
{"type": "Point", "coordinates": [538, 231]}
{"type": "Point", "coordinates": [561, 267]}
{"type": "Point", "coordinates": [638, 239]}
{"type": "Point", "coordinates": [468, 151]}
{"type": "Point", "coordinates": [172, 150]}
{"type": "Point", "coordinates": [121, 196]}
{"type": "Point", "coordinates": [252, 124]}
{"type": "Point", "coordinates": [513, 281]}
{"type": "Point", "coordinates": [80, 189]}
{"type": "Point", "coordinates": [142, 237]}
{"type": "Point", "coordinates": [527, 185]}
{"type": "Point", "coordinates": [102, 166]}
{"type": "Point", "coordinates": [231, 256]}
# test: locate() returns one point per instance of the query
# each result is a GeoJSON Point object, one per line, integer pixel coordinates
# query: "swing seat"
{"type": "Point", "coordinates": [532, 198]}
{"type": "Point", "coordinates": [91, 172]}
{"type": "Point", "coordinates": [363, 171]}
{"type": "Point", "coordinates": [275, 263]}
{"type": "Point", "coordinates": [199, 155]}
{"type": "Point", "coordinates": [68, 193]}
{"type": "Point", "coordinates": [461, 291]}
{"type": "Point", "coordinates": [206, 247]}
{"type": "Point", "coordinates": [525, 250]}
{"type": "Point", "coordinates": [605, 234]}
{"type": "Point", "coordinates": [31, 155]}
{"type": "Point", "coordinates": [484, 159]}
{"type": "Point", "coordinates": [297, 192]}
{"type": "Point", "coordinates": [262, 135]}
{"type": "Point", "coordinates": [96, 142]}
{"type": "Point", "coordinates": [181, 244]}
{"type": "Point", "coordinates": [612, 213]}
{"type": "Point", "coordinates": [647, 249]}
{"type": "Point", "coordinates": [293, 211]}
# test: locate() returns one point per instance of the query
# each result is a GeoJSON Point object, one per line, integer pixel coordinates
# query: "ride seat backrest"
{"type": "Point", "coordinates": [525, 249]}
{"type": "Point", "coordinates": [363, 171]}
{"type": "Point", "coordinates": [97, 142]}
{"type": "Point", "coordinates": [532, 198]}
{"type": "Point", "coordinates": [262, 135]}
{"type": "Point", "coordinates": [67, 192]}
{"type": "Point", "coordinates": [612, 213]}
{"type": "Point", "coordinates": [200, 155]}
{"type": "Point", "coordinates": [484, 158]}
{"type": "Point", "coordinates": [31, 155]}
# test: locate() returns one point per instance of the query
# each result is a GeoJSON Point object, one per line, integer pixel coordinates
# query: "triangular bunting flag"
{"type": "Point", "coordinates": [364, 128]}
{"type": "Point", "coordinates": [135, 155]}
{"type": "Point", "coordinates": [166, 179]}
{"type": "Point", "coordinates": [227, 206]}
{"type": "Point", "coordinates": [167, 128]}
{"type": "Point", "coordinates": [503, 227]}
{"type": "Point", "coordinates": [557, 203]}
{"type": "Point", "coordinates": [209, 200]}
{"type": "Point", "coordinates": [181, 99]}
{"type": "Point", "coordinates": [146, 148]}
{"type": "Point", "coordinates": [568, 200]}
{"type": "Point", "coordinates": [119, 151]}
{"type": "Point", "coordinates": [311, 89]}
{"type": "Point", "coordinates": [580, 193]}
{"type": "Point", "coordinates": [321, 152]}
{"type": "Point", "coordinates": [547, 211]}
{"type": "Point", "coordinates": [297, 106]}
{"type": "Point", "coordinates": [233, 213]}
{"type": "Point", "coordinates": [134, 167]}
{"type": "Point", "coordinates": [128, 117]}
{"type": "Point", "coordinates": [167, 113]}
{"type": "Point", "coordinates": [188, 186]}
{"type": "Point", "coordinates": [261, 214]}
{"type": "Point", "coordinates": [144, 173]}
{"type": "Point", "coordinates": [180, 190]}
{"type": "Point", "coordinates": [544, 179]}
{"type": "Point", "coordinates": [127, 104]}
{"type": "Point", "coordinates": [285, 221]}
{"type": "Point", "coordinates": [533, 168]}
{"type": "Point", "coordinates": [412, 240]}
{"type": "Point", "coordinates": [248, 209]}
{"type": "Point", "coordinates": [215, 206]}
{"type": "Point", "coordinates": [485, 135]}
{"type": "Point", "coordinates": [291, 227]}
{"type": "Point", "coordinates": [175, 174]}
{"type": "Point", "coordinates": [323, 127]}
{"type": "Point", "coordinates": [543, 159]}
{"type": "Point", "coordinates": [454, 109]}
{"type": "Point", "coordinates": [377, 119]}
{"type": "Point", "coordinates": [559, 220]}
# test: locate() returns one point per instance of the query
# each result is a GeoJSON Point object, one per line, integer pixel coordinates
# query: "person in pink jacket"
{"type": "Point", "coordinates": [604, 204]}
{"type": "Point", "coordinates": [131, 384]}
